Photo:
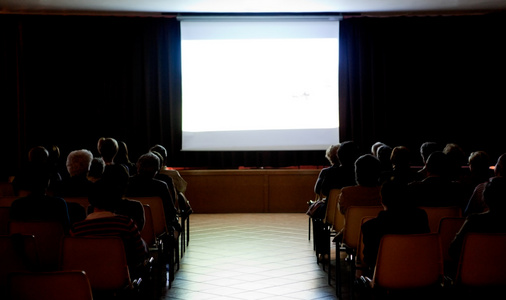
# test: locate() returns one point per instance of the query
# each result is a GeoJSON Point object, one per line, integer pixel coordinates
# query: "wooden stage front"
{"type": "Point", "coordinates": [250, 191]}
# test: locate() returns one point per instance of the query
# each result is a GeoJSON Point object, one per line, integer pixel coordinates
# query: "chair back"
{"type": "Point", "coordinates": [102, 258]}
{"type": "Point", "coordinates": [17, 253]}
{"type": "Point", "coordinates": [435, 214]}
{"type": "Point", "coordinates": [359, 262]}
{"type": "Point", "coordinates": [332, 207]}
{"type": "Point", "coordinates": [6, 189]}
{"type": "Point", "coordinates": [4, 220]}
{"type": "Point", "coordinates": [148, 232]}
{"type": "Point", "coordinates": [448, 228]}
{"type": "Point", "coordinates": [353, 222]}
{"type": "Point", "coordinates": [48, 236]}
{"type": "Point", "coordinates": [482, 260]}
{"type": "Point", "coordinates": [157, 211]}
{"type": "Point", "coordinates": [58, 285]}
{"type": "Point", "coordinates": [408, 261]}
{"type": "Point", "coordinates": [6, 201]}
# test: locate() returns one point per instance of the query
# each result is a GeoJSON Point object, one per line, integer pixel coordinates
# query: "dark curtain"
{"type": "Point", "coordinates": [407, 80]}
{"type": "Point", "coordinates": [69, 80]}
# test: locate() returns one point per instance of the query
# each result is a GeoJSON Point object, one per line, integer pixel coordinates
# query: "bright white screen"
{"type": "Point", "coordinates": [260, 85]}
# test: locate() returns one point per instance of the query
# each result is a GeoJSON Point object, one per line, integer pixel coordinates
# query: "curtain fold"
{"type": "Point", "coordinates": [407, 80]}
{"type": "Point", "coordinates": [69, 80]}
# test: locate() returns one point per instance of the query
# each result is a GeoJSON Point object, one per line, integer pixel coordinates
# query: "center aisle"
{"type": "Point", "coordinates": [249, 256]}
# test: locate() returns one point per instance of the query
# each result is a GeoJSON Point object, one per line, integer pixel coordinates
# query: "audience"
{"type": "Point", "coordinates": [457, 160]}
{"type": "Point", "coordinates": [37, 205]}
{"type": "Point", "coordinates": [167, 179]}
{"type": "Point", "coordinates": [383, 154]}
{"type": "Point", "coordinates": [384, 177]}
{"type": "Point", "coordinates": [328, 177]}
{"type": "Point", "coordinates": [77, 184]}
{"type": "Point", "coordinates": [476, 203]}
{"type": "Point", "coordinates": [401, 167]}
{"type": "Point", "coordinates": [96, 171]}
{"type": "Point", "coordinates": [179, 183]}
{"type": "Point", "coordinates": [374, 148]}
{"type": "Point", "coordinates": [479, 171]}
{"type": "Point", "coordinates": [144, 184]}
{"type": "Point", "coordinates": [399, 217]}
{"type": "Point", "coordinates": [367, 188]}
{"type": "Point", "coordinates": [104, 222]}
{"type": "Point", "coordinates": [347, 154]}
{"type": "Point", "coordinates": [123, 158]}
{"type": "Point", "coordinates": [437, 189]}
{"type": "Point", "coordinates": [37, 162]}
{"type": "Point", "coordinates": [491, 221]}
{"type": "Point", "coordinates": [426, 150]}
{"type": "Point", "coordinates": [108, 148]}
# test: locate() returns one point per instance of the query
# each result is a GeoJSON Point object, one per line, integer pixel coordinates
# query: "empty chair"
{"type": "Point", "coordinates": [408, 262]}
{"type": "Point", "coordinates": [48, 235]}
{"type": "Point", "coordinates": [58, 285]}
{"type": "Point", "coordinates": [104, 261]}
{"type": "Point", "coordinates": [482, 261]}
{"type": "Point", "coordinates": [448, 228]}
{"type": "Point", "coordinates": [435, 214]}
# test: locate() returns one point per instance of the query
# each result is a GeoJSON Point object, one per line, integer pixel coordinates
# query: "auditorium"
{"type": "Point", "coordinates": [219, 149]}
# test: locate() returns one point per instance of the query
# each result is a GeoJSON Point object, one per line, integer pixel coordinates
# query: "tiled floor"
{"type": "Point", "coordinates": [250, 256]}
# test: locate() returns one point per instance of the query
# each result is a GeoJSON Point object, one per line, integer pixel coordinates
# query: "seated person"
{"type": "Point", "coordinates": [179, 183]}
{"type": "Point", "coordinates": [476, 204]}
{"type": "Point", "coordinates": [437, 189]}
{"type": "Point", "coordinates": [367, 189]}
{"type": "Point", "coordinates": [97, 167]}
{"type": "Point", "coordinates": [108, 148]}
{"type": "Point", "coordinates": [122, 206]}
{"type": "Point", "coordinates": [144, 184]}
{"type": "Point", "coordinates": [168, 180]}
{"type": "Point", "coordinates": [37, 205]}
{"type": "Point", "coordinates": [491, 221]}
{"type": "Point", "coordinates": [104, 222]}
{"type": "Point", "coordinates": [399, 217]}
{"type": "Point", "coordinates": [328, 176]}
{"type": "Point", "coordinates": [37, 162]}
{"type": "Point", "coordinates": [77, 185]}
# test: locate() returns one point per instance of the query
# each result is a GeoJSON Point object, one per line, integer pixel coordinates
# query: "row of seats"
{"type": "Point", "coordinates": [345, 233]}
{"type": "Point", "coordinates": [163, 245]}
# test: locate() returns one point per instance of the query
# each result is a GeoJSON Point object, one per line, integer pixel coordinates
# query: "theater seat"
{"type": "Point", "coordinates": [58, 285]}
{"type": "Point", "coordinates": [408, 263]}
{"type": "Point", "coordinates": [104, 261]}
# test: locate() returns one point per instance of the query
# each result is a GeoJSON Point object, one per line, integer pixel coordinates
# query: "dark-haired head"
{"type": "Point", "coordinates": [347, 153]}
{"type": "Point", "coordinates": [495, 194]}
{"type": "Point", "coordinates": [104, 195]}
{"type": "Point", "coordinates": [367, 170]}
{"type": "Point", "coordinates": [395, 195]}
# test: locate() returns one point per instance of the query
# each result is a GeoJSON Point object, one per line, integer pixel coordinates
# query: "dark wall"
{"type": "Point", "coordinates": [68, 80]}
{"type": "Point", "coordinates": [407, 80]}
